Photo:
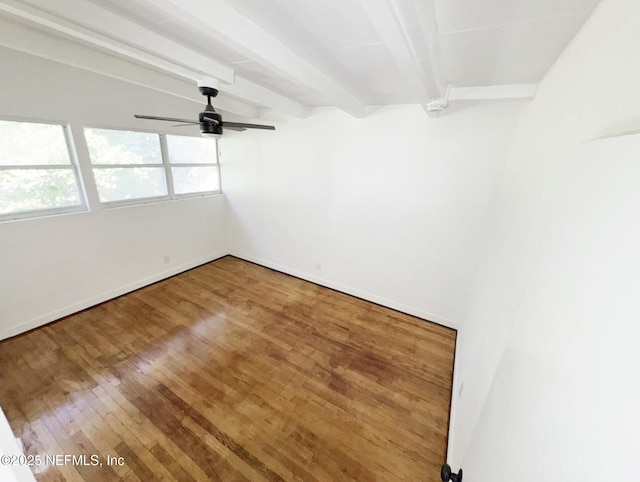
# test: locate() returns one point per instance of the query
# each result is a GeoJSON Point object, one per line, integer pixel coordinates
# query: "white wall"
{"type": "Point", "coordinates": [392, 207]}
{"type": "Point", "coordinates": [50, 267]}
{"type": "Point", "coordinates": [547, 409]}
{"type": "Point", "coordinates": [564, 401]}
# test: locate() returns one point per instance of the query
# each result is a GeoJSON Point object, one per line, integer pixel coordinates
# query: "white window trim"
{"type": "Point", "coordinates": [83, 206]}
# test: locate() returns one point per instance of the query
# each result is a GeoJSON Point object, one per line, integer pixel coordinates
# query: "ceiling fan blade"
{"type": "Point", "coordinates": [241, 125]}
{"type": "Point", "coordinates": [183, 125]}
{"type": "Point", "coordinates": [239, 129]}
{"type": "Point", "coordinates": [170, 119]}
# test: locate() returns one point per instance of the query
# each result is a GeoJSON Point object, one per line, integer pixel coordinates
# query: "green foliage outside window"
{"type": "Point", "coordinates": [51, 185]}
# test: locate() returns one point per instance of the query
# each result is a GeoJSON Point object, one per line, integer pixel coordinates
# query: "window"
{"type": "Point", "coordinates": [37, 173]}
{"type": "Point", "coordinates": [140, 166]}
{"type": "Point", "coordinates": [194, 164]}
{"type": "Point", "coordinates": [126, 165]}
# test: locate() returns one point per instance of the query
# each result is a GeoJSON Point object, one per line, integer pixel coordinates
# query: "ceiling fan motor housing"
{"type": "Point", "coordinates": [207, 127]}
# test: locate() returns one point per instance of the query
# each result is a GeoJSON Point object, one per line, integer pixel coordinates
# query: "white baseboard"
{"type": "Point", "coordinates": [87, 303]}
{"type": "Point", "coordinates": [410, 310]}
{"type": "Point", "coordinates": [96, 300]}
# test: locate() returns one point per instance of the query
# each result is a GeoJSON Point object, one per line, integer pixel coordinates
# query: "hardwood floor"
{"type": "Point", "coordinates": [232, 371]}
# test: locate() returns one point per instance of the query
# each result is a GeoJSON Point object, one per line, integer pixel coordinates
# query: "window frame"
{"type": "Point", "coordinates": [166, 165]}
{"type": "Point", "coordinates": [74, 166]}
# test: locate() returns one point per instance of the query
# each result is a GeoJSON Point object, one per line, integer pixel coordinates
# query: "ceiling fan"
{"type": "Point", "coordinates": [211, 123]}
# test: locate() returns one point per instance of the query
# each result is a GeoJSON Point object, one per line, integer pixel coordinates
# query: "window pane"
{"type": "Point", "coordinates": [123, 147]}
{"type": "Point", "coordinates": [191, 150]}
{"type": "Point", "coordinates": [25, 143]}
{"type": "Point", "coordinates": [31, 189]}
{"type": "Point", "coordinates": [195, 179]}
{"type": "Point", "coordinates": [118, 184]}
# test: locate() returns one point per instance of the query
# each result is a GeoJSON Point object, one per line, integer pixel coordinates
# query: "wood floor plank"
{"type": "Point", "coordinates": [232, 371]}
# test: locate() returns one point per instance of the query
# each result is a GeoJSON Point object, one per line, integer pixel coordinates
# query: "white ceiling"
{"type": "Point", "coordinates": [294, 55]}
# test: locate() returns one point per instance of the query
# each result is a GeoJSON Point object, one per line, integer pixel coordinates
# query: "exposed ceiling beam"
{"type": "Point", "coordinates": [174, 56]}
{"type": "Point", "coordinates": [412, 39]}
{"type": "Point", "coordinates": [40, 44]}
{"type": "Point", "coordinates": [160, 53]}
{"type": "Point", "coordinates": [229, 27]}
